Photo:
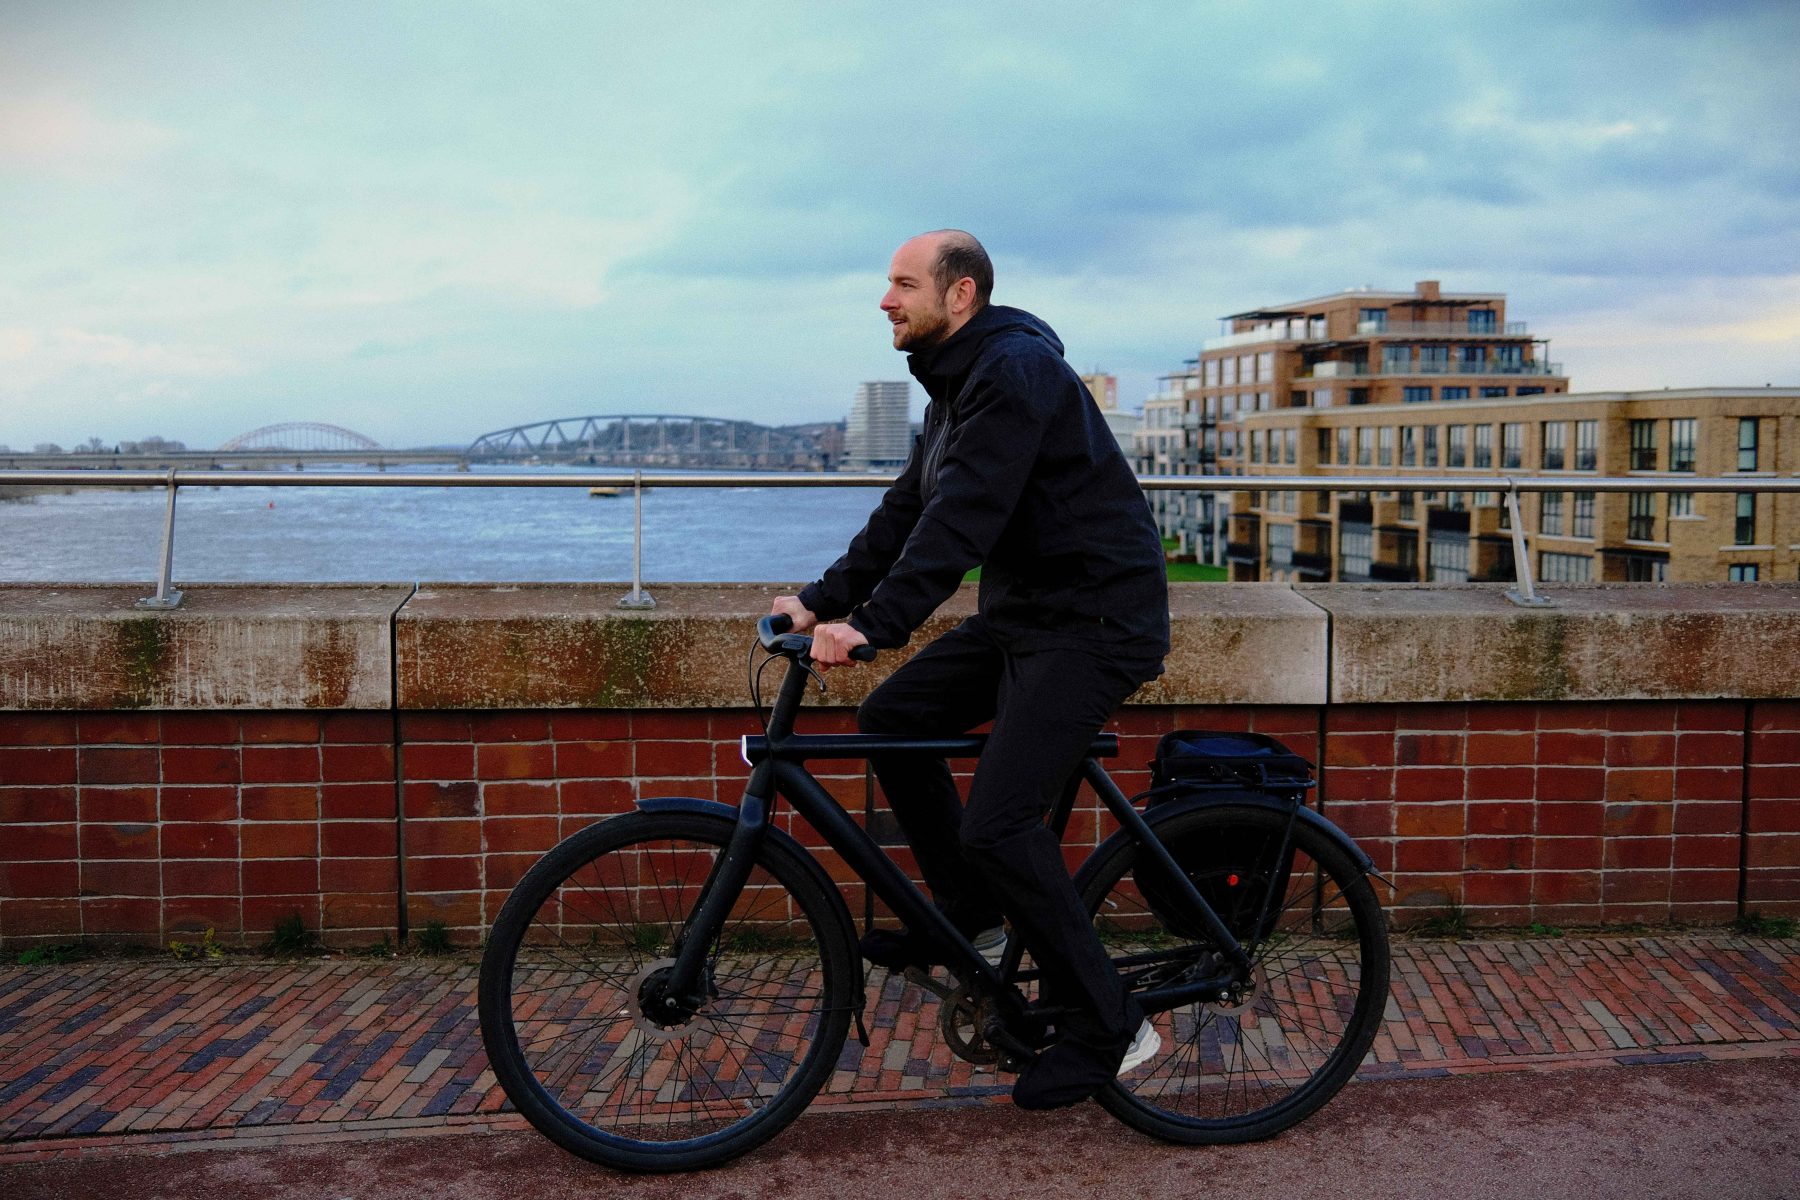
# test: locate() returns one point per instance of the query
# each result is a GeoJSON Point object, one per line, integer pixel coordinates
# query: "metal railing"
{"type": "Point", "coordinates": [166, 596]}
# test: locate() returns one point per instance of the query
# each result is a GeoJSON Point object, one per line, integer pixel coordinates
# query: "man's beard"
{"type": "Point", "coordinates": [924, 332]}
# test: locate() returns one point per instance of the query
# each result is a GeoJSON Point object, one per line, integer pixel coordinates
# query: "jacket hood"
{"type": "Point", "coordinates": [958, 352]}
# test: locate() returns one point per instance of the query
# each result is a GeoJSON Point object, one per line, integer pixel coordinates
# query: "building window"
{"type": "Point", "coordinates": [1343, 445]}
{"type": "Point", "coordinates": [1512, 445]}
{"type": "Point", "coordinates": [1565, 568]}
{"type": "Point", "coordinates": [1356, 550]}
{"type": "Point", "coordinates": [1524, 391]}
{"type": "Point", "coordinates": [1741, 573]}
{"type": "Point", "coordinates": [1321, 397]}
{"type": "Point", "coordinates": [1265, 366]}
{"type": "Point", "coordinates": [1396, 360]}
{"type": "Point", "coordinates": [1429, 456]}
{"type": "Point", "coordinates": [1550, 514]}
{"type": "Point", "coordinates": [1255, 449]}
{"type": "Point", "coordinates": [1371, 320]}
{"type": "Point", "coordinates": [1484, 446]}
{"type": "Point", "coordinates": [1409, 447]}
{"type": "Point", "coordinates": [1290, 445]}
{"type": "Point", "coordinates": [1745, 534]}
{"type": "Point", "coordinates": [1641, 526]}
{"type": "Point", "coordinates": [1210, 372]}
{"type": "Point", "coordinates": [1228, 371]}
{"type": "Point", "coordinates": [1364, 447]}
{"type": "Point", "coordinates": [1681, 444]}
{"type": "Point", "coordinates": [1416, 395]}
{"type": "Point", "coordinates": [1359, 396]}
{"type": "Point", "coordinates": [1555, 434]}
{"type": "Point", "coordinates": [1643, 445]}
{"type": "Point", "coordinates": [1746, 443]}
{"type": "Point", "coordinates": [1434, 360]}
{"type": "Point", "coordinates": [1315, 327]}
{"type": "Point", "coordinates": [1471, 360]}
{"type": "Point", "coordinates": [1581, 522]}
{"type": "Point", "coordinates": [1384, 455]}
{"type": "Point", "coordinates": [1509, 360]}
{"type": "Point", "coordinates": [1406, 507]}
{"type": "Point", "coordinates": [1481, 320]}
{"type": "Point", "coordinates": [1281, 546]}
{"type": "Point", "coordinates": [1324, 448]}
{"type": "Point", "coordinates": [1492, 393]}
{"type": "Point", "coordinates": [1642, 569]}
{"type": "Point", "coordinates": [1453, 393]}
{"type": "Point", "coordinates": [1448, 560]}
{"type": "Point", "coordinates": [1458, 446]}
{"type": "Point", "coordinates": [1681, 504]}
{"type": "Point", "coordinates": [1587, 450]}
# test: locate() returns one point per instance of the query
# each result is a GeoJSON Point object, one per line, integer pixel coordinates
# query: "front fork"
{"type": "Point", "coordinates": [685, 985]}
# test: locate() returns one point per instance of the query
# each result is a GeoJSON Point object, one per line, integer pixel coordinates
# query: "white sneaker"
{"type": "Point", "coordinates": [991, 944]}
{"type": "Point", "coordinates": [1143, 1048]}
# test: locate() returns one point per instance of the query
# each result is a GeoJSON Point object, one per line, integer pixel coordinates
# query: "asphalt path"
{"type": "Point", "coordinates": [1716, 1130]}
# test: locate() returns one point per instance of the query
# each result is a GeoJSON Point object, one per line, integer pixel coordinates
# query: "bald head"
{"type": "Point", "coordinates": [960, 256]}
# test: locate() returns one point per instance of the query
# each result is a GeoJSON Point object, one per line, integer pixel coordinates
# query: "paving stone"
{"type": "Point", "coordinates": [103, 1055]}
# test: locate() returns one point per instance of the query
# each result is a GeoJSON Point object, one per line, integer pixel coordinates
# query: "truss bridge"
{"type": "Point", "coordinates": [654, 440]}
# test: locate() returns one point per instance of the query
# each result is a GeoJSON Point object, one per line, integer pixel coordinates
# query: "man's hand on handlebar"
{"type": "Point", "coordinates": [833, 643]}
{"type": "Point", "coordinates": [798, 613]}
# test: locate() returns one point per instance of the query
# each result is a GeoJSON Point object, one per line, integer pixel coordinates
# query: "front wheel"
{"type": "Point", "coordinates": [581, 1033]}
{"type": "Point", "coordinates": [1255, 1062]}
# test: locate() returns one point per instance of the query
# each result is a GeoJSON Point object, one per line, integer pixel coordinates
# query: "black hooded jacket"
{"type": "Point", "coordinates": [1017, 473]}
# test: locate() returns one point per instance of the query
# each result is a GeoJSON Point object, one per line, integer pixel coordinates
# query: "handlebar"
{"type": "Point", "coordinates": [772, 632]}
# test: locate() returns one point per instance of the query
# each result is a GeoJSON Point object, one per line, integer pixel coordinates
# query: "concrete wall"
{"type": "Point", "coordinates": [374, 756]}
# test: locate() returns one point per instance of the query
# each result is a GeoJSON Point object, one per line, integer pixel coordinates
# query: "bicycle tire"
{"type": "Point", "coordinates": [571, 953]}
{"type": "Point", "coordinates": [1231, 1074]}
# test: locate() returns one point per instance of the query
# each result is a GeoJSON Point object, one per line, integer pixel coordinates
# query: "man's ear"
{"type": "Point", "coordinates": [962, 295]}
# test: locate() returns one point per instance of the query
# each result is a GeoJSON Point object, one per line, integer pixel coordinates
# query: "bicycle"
{"type": "Point", "coordinates": [667, 989]}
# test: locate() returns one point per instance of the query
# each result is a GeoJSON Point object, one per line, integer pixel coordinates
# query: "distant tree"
{"type": "Point", "coordinates": [46, 448]}
{"type": "Point", "coordinates": [92, 446]}
{"type": "Point", "coordinates": [151, 445]}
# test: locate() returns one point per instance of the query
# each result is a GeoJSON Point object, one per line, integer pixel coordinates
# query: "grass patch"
{"type": "Point", "coordinates": [205, 949]}
{"type": "Point", "coordinates": [1193, 572]}
{"type": "Point", "coordinates": [291, 938]}
{"type": "Point", "coordinates": [431, 938]}
{"type": "Point", "coordinates": [1755, 924]}
{"type": "Point", "coordinates": [1452, 921]}
{"type": "Point", "coordinates": [44, 956]}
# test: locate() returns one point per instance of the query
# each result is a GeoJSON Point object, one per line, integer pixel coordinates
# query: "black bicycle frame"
{"type": "Point", "coordinates": [778, 768]}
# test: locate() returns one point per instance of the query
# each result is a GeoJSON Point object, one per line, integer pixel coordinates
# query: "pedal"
{"type": "Point", "coordinates": [922, 978]}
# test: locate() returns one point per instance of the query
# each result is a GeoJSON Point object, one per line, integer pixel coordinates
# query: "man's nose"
{"type": "Point", "coordinates": [888, 302]}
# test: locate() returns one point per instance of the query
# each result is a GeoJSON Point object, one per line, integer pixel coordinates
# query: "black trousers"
{"type": "Point", "coordinates": [996, 856]}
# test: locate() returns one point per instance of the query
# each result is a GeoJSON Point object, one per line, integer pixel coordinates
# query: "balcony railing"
{"type": "Point", "coordinates": [1342, 370]}
{"type": "Point", "coordinates": [1436, 329]}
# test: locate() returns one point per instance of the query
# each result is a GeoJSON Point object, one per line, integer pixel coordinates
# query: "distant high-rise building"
{"type": "Point", "coordinates": [1104, 389]}
{"type": "Point", "coordinates": [878, 435]}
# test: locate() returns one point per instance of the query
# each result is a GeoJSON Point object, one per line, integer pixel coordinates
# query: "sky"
{"type": "Point", "coordinates": [424, 221]}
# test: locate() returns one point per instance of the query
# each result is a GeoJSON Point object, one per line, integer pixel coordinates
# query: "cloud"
{"type": "Point", "coordinates": [34, 359]}
{"type": "Point", "coordinates": [54, 137]}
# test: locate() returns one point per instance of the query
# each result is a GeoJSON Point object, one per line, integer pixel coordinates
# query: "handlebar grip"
{"type": "Point", "coordinates": [863, 653]}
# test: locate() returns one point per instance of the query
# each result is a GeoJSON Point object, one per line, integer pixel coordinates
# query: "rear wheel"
{"type": "Point", "coordinates": [1254, 1063]}
{"type": "Point", "coordinates": [587, 1042]}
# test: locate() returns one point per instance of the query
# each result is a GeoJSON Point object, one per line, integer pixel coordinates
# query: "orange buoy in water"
{"type": "Point", "coordinates": [271, 504]}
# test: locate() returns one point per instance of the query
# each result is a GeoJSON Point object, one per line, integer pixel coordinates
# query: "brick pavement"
{"type": "Point", "coordinates": [112, 1056]}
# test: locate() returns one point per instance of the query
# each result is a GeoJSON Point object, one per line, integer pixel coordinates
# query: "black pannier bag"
{"type": "Point", "coordinates": [1233, 874]}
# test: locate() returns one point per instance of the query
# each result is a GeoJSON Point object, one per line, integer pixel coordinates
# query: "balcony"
{"type": "Point", "coordinates": [1250, 337]}
{"type": "Point", "coordinates": [1341, 370]}
{"type": "Point", "coordinates": [1312, 564]}
{"type": "Point", "coordinates": [1438, 329]}
{"type": "Point", "coordinates": [1242, 552]}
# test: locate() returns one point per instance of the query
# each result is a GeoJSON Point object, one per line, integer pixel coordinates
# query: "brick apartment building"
{"type": "Point", "coordinates": [1435, 384]}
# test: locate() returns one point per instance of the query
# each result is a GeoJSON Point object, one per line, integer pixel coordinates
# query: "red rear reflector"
{"type": "Point", "coordinates": [1231, 881]}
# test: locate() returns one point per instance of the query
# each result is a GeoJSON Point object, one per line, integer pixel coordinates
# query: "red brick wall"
{"type": "Point", "coordinates": [150, 826]}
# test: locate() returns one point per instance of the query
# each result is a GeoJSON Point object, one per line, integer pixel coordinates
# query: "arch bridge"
{"type": "Point", "coordinates": [301, 435]}
{"type": "Point", "coordinates": [654, 440]}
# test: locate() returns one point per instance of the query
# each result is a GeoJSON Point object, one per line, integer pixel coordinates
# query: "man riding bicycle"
{"type": "Point", "coordinates": [1015, 472]}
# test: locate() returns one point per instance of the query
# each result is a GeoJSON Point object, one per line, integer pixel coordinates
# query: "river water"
{"type": "Point", "coordinates": [323, 534]}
